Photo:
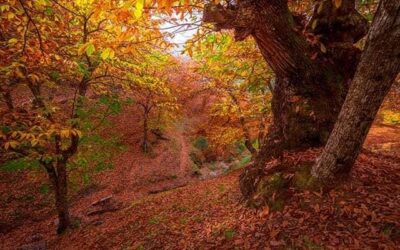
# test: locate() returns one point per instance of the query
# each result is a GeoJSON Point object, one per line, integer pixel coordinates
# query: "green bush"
{"type": "Point", "coordinates": [19, 164]}
{"type": "Point", "coordinates": [229, 234]}
{"type": "Point", "coordinates": [201, 143]}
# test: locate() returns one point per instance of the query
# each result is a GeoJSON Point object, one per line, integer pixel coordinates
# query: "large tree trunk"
{"type": "Point", "coordinates": [314, 83]}
{"type": "Point", "coordinates": [311, 83]}
{"type": "Point", "coordinates": [378, 68]}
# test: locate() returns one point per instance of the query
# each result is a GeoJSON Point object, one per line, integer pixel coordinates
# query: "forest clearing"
{"type": "Point", "coordinates": [189, 124]}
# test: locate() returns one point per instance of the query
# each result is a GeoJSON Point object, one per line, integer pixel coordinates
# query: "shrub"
{"type": "Point", "coordinates": [201, 143]}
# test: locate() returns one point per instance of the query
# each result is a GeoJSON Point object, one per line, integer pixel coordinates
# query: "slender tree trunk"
{"type": "Point", "coordinates": [58, 178]}
{"type": "Point", "coordinates": [145, 145]}
{"type": "Point", "coordinates": [62, 198]}
{"type": "Point", "coordinates": [272, 146]}
{"type": "Point", "coordinates": [38, 101]}
{"type": "Point", "coordinates": [248, 143]}
{"type": "Point", "coordinates": [83, 86]}
{"type": "Point", "coordinates": [379, 66]}
{"type": "Point", "coordinates": [246, 132]}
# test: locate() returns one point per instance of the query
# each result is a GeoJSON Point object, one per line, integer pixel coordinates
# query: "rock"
{"type": "Point", "coordinates": [38, 245]}
{"type": "Point", "coordinates": [234, 165]}
{"type": "Point", "coordinates": [223, 166]}
{"type": "Point", "coordinates": [214, 174]}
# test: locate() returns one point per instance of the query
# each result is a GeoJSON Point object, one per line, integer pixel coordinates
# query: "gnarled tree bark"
{"type": "Point", "coordinates": [311, 84]}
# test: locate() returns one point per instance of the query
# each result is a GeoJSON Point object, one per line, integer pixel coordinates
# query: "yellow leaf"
{"type": "Point", "coordinates": [337, 3]}
{"type": "Point", "coordinates": [81, 50]}
{"type": "Point", "coordinates": [19, 73]}
{"type": "Point", "coordinates": [33, 77]}
{"type": "Point", "coordinates": [323, 48]}
{"type": "Point", "coordinates": [190, 51]}
{"type": "Point", "coordinates": [65, 133]}
{"type": "Point", "coordinates": [11, 144]}
{"type": "Point", "coordinates": [15, 134]}
{"type": "Point", "coordinates": [139, 8]}
{"type": "Point", "coordinates": [107, 53]}
{"type": "Point", "coordinates": [314, 24]}
{"type": "Point", "coordinates": [12, 41]}
{"type": "Point", "coordinates": [34, 142]}
{"type": "Point", "coordinates": [78, 133]}
{"type": "Point", "coordinates": [320, 8]}
{"type": "Point", "coordinates": [10, 15]}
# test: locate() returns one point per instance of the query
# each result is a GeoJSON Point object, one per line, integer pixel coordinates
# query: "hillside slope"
{"type": "Point", "coordinates": [362, 213]}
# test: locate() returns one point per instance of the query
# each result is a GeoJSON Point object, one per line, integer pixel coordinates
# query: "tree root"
{"type": "Point", "coordinates": [273, 185]}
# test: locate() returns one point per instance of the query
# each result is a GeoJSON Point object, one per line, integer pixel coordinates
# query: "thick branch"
{"type": "Point", "coordinates": [338, 24]}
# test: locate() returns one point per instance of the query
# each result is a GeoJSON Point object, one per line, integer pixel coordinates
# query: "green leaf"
{"type": "Point", "coordinates": [44, 188]}
{"type": "Point", "coordinates": [90, 49]}
{"type": "Point", "coordinates": [48, 11]}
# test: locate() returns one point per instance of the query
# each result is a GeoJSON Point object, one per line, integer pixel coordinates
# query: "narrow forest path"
{"type": "Point", "coordinates": [165, 167]}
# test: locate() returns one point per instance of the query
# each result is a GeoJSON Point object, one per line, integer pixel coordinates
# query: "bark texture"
{"type": "Point", "coordinates": [58, 175]}
{"type": "Point", "coordinates": [311, 82]}
{"type": "Point", "coordinates": [378, 68]}
{"type": "Point", "coordinates": [58, 178]}
{"type": "Point", "coordinates": [314, 87]}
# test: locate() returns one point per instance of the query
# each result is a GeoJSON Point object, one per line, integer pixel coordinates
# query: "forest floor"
{"type": "Point", "coordinates": [160, 205]}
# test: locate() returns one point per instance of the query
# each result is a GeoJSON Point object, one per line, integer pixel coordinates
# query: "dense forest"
{"type": "Point", "coordinates": [189, 124]}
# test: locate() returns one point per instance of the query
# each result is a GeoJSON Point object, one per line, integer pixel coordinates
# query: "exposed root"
{"type": "Point", "coordinates": [272, 185]}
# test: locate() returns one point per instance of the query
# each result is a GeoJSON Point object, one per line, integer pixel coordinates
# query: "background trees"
{"type": "Point", "coordinates": [151, 88]}
{"type": "Point", "coordinates": [64, 53]}
{"type": "Point", "coordinates": [242, 84]}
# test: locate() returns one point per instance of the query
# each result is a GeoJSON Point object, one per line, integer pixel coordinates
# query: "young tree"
{"type": "Point", "coordinates": [237, 76]}
{"type": "Point", "coordinates": [151, 89]}
{"type": "Point", "coordinates": [68, 46]}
